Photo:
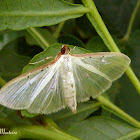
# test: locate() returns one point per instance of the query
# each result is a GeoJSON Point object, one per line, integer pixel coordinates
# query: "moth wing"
{"type": "Point", "coordinates": [37, 92]}
{"type": "Point", "coordinates": [51, 98]}
{"type": "Point", "coordinates": [95, 72]}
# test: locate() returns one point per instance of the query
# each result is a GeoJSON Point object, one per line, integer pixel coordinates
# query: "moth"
{"type": "Point", "coordinates": [63, 82]}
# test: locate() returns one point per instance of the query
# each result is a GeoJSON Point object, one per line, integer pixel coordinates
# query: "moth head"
{"type": "Point", "coordinates": [65, 50]}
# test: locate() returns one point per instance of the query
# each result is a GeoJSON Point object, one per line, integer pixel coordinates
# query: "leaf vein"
{"type": "Point", "coordinates": [21, 5]}
{"type": "Point", "coordinates": [7, 5]}
{"type": "Point", "coordinates": [102, 132]}
{"type": "Point", "coordinates": [40, 5]}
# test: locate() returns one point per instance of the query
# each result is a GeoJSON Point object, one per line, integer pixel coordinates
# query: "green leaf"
{"type": "Point", "coordinates": [65, 118]}
{"type": "Point", "coordinates": [53, 51]}
{"type": "Point", "coordinates": [102, 128]}
{"type": "Point", "coordinates": [19, 15]}
{"type": "Point", "coordinates": [128, 99]}
{"type": "Point", "coordinates": [111, 94]}
{"type": "Point", "coordinates": [25, 113]}
{"type": "Point", "coordinates": [45, 34]}
{"type": "Point", "coordinates": [114, 14]}
{"type": "Point", "coordinates": [70, 39]}
{"type": "Point", "coordinates": [7, 115]}
{"type": "Point", "coordinates": [69, 26]}
{"type": "Point", "coordinates": [7, 37]}
{"type": "Point", "coordinates": [96, 44]}
{"type": "Point", "coordinates": [84, 27]}
{"type": "Point", "coordinates": [11, 63]}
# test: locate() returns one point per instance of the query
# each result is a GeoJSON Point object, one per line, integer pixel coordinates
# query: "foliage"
{"type": "Point", "coordinates": [31, 30]}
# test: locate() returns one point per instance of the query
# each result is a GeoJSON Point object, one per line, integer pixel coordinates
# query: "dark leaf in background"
{"type": "Point", "coordinates": [69, 26]}
{"type": "Point", "coordinates": [71, 40]}
{"type": "Point", "coordinates": [12, 62]}
{"type": "Point", "coordinates": [128, 99]}
{"type": "Point", "coordinates": [84, 27]}
{"type": "Point", "coordinates": [95, 44]}
{"type": "Point", "coordinates": [12, 116]}
{"type": "Point", "coordinates": [43, 32]}
{"type": "Point", "coordinates": [134, 44]}
{"type": "Point", "coordinates": [112, 94]}
{"type": "Point", "coordinates": [116, 14]}
{"type": "Point", "coordinates": [8, 36]}
{"type": "Point", "coordinates": [65, 118]}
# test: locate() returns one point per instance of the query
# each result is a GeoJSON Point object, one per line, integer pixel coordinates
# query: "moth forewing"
{"type": "Point", "coordinates": [68, 79]}
{"type": "Point", "coordinates": [111, 64]}
{"type": "Point", "coordinates": [17, 94]}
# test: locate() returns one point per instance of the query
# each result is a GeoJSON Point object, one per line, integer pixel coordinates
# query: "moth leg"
{"type": "Point", "coordinates": [19, 114]}
{"type": "Point", "coordinates": [103, 60]}
{"type": "Point", "coordinates": [50, 57]}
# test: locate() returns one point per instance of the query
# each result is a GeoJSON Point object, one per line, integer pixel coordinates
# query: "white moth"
{"type": "Point", "coordinates": [68, 79]}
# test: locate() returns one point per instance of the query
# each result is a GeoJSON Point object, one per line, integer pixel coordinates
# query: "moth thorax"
{"type": "Point", "coordinates": [65, 50]}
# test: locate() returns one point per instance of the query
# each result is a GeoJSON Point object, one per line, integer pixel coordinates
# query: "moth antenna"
{"type": "Point", "coordinates": [73, 48]}
{"type": "Point", "coordinates": [63, 46]}
{"type": "Point", "coordinates": [41, 60]}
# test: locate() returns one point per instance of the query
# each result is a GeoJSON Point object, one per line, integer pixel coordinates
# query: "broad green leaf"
{"type": "Point", "coordinates": [65, 118]}
{"type": "Point", "coordinates": [19, 15]}
{"type": "Point", "coordinates": [101, 128]}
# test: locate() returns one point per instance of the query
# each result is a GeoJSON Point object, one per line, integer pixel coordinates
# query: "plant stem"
{"type": "Point", "coordinates": [40, 132]}
{"type": "Point", "coordinates": [99, 25]}
{"type": "Point", "coordinates": [101, 29]}
{"type": "Point", "coordinates": [130, 135]}
{"type": "Point", "coordinates": [127, 35]}
{"type": "Point", "coordinates": [38, 37]}
{"type": "Point", "coordinates": [133, 79]}
{"type": "Point", "coordinates": [117, 110]}
{"type": "Point", "coordinates": [2, 82]}
{"type": "Point", "coordinates": [58, 30]}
